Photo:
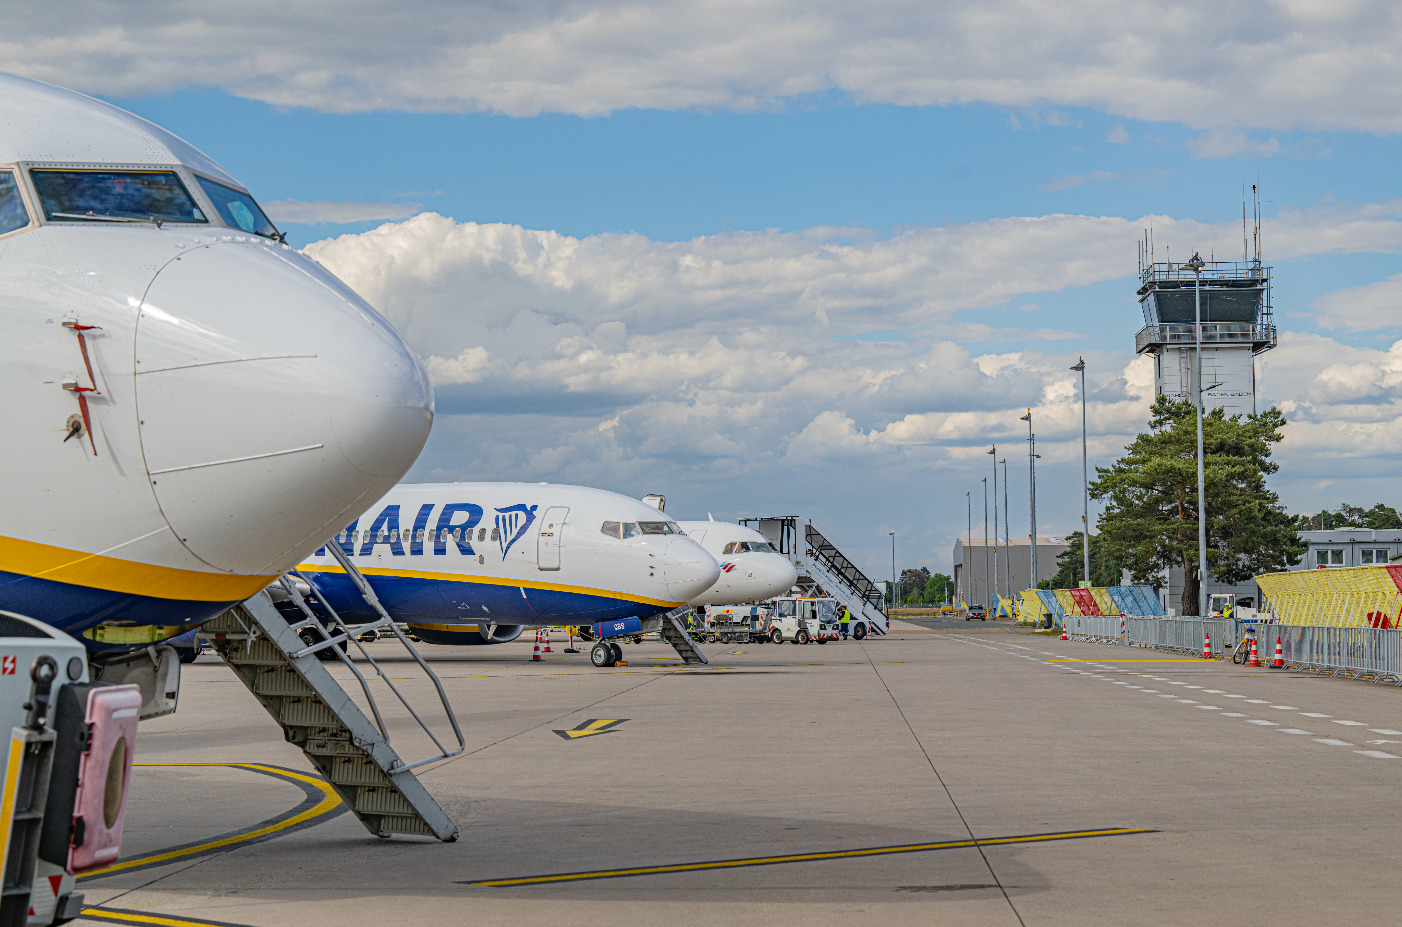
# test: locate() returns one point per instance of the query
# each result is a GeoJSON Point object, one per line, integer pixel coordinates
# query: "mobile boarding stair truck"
{"type": "Point", "coordinates": [67, 771]}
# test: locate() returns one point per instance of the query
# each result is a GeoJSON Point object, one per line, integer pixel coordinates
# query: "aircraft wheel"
{"type": "Point", "coordinates": [859, 631]}
{"type": "Point", "coordinates": [602, 655]}
{"type": "Point", "coordinates": [776, 636]}
{"type": "Point", "coordinates": [187, 654]}
{"type": "Point", "coordinates": [617, 652]}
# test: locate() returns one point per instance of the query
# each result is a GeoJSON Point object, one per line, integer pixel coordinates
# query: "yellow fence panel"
{"type": "Point", "coordinates": [1349, 597]}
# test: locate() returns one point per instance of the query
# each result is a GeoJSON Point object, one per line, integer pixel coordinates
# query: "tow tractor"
{"type": "Point", "coordinates": [799, 619]}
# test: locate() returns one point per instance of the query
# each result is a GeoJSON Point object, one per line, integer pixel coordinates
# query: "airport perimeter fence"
{"type": "Point", "coordinates": [1374, 653]}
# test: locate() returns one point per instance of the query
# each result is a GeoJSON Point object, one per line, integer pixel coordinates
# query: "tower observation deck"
{"type": "Point", "coordinates": [1237, 324]}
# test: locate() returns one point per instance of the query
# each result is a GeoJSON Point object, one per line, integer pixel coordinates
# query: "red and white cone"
{"type": "Point", "coordinates": [1122, 627]}
{"type": "Point", "coordinates": [1063, 630]}
{"type": "Point", "coordinates": [535, 657]}
{"type": "Point", "coordinates": [1279, 661]}
{"type": "Point", "coordinates": [1255, 657]}
{"type": "Point", "coordinates": [1207, 645]}
{"type": "Point", "coordinates": [545, 633]}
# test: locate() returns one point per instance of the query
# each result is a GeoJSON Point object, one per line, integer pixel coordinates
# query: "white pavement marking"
{"type": "Point", "coordinates": [1190, 687]}
{"type": "Point", "coordinates": [1258, 701]}
{"type": "Point", "coordinates": [1263, 723]}
{"type": "Point", "coordinates": [1294, 730]}
{"type": "Point", "coordinates": [1332, 742]}
{"type": "Point", "coordinates": [1315, 714]}
{"type": "Point", "coordinates": [1211, 691]}
{"type": "Point", "coordinates": [1351, 723]}
{"type": "Point", "coordinates": [1382, 730]}
{"type": "Point", "coordinates": [1234, 714]}
{"type": "Point", "coordinates": [1378, 754]}
{"type": "Point", "coordinates": [1186, 701]}
{"type": "Point", "coordinates": [1168, 695]}
{"type": "Point", "coordinates": [1210, 707]}
{"type": "Point", "coordinates": [1236, 696]}
{"type": "Point", "coordinates": [1286, 707]}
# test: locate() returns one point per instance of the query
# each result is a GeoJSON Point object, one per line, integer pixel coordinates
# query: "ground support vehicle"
{"type": "Point", "coordinates": [975, 612]}
{"type": "Point", "coordinates": [739, 624]}
{"type": "Point", "coordinates": [800, 619]}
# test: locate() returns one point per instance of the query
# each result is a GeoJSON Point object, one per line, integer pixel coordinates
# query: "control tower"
{"type": "Point", "coordinates": [1236, 326]}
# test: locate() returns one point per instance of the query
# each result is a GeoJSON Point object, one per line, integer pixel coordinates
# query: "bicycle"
{"type": "Point", "coordinates": [1242, 653]}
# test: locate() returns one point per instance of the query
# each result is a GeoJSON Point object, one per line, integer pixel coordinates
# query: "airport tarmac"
{"type": "Point", "coordinates": [840, 783]}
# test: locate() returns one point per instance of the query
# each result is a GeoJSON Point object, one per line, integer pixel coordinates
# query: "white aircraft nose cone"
{"type": "Point", "coordinates": [782, 574]}
{"type": "Point", "coordinates": [274, 404]}
{"type": "Point", "coordinates": [688, 569]}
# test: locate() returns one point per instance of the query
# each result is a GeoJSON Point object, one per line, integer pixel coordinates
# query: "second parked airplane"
{"type": "Point", "coordinates": [475, 562]}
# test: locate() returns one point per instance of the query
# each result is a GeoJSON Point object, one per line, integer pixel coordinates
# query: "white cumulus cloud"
{"type": "Point", "coordinates": [1257, 63]}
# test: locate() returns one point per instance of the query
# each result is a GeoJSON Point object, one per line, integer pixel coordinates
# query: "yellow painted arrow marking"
{"type": "Point", "coordinates": [591, 727]}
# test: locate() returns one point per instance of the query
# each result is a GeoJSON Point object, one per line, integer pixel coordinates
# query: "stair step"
{"type": "Point", "coordinates": [353, 770]}
{"type": "Point", "coordinates": [281, 680]}
{"type": "Point", "coordinates": [304, 712]}
{"type": "Point", "coordinates": [386, 800]}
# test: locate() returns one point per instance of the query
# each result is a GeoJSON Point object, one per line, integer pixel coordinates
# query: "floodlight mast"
{"type": "Point", "coordinates": [1085, 474]}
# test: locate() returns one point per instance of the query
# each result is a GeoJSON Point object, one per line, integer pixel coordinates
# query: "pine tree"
{"type": "Point", "coordinates": [1150, 521]}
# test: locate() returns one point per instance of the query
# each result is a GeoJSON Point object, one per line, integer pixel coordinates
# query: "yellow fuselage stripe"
{"type": "Point", "coordinates": [7, 805]}
{"type": "Point", "coordinates": [330, 801]}
{"type": "Point", "coordinates": [95, 571]}
{"type": "Point", "coordinates": [492, 581]}
{"type": "Point", "coordinates": [808, 857]}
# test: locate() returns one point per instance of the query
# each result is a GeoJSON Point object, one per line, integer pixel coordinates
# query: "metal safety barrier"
{"type": "Point", "coordinates": [1365, 653]}
{"type": "Point", "coordinates": [1357, 652]}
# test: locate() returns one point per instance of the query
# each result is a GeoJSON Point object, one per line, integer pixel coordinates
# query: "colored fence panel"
{"type": "Point", "coordinates": [1068, 604]}
{"type": "Point", "coordinates": [1103, 602]}
{"type": "Point", "coordinates": [1356, 597]}
{"type": "Point", "coordinates": [1085, 602]}
{"type": "Point", "coordinates": [1052, 604]}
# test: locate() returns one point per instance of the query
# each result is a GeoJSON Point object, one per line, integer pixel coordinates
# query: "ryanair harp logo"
{"type": "Point", "coordinates": [512, 523]}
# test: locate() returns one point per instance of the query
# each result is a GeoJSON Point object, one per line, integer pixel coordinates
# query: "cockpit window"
{"type": "Point", "coordinates": [12, 212]}
{"type": "Point", "coordinates": [237, 209]}
{"type": "Point", "coordinates": [114, 196]}
{"type": "Point", "coordinates": [755, 547]}
{"type": "Point", "coordinates": [659, 527]}
{"type": "Point", "coordinates": [611, 529]}
{"type": "Point", "coordinates": [630, 530]}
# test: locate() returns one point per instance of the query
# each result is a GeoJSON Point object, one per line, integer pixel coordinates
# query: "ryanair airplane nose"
{"type": "Point", "coordinates": [274, 403]}
{"type": "Point", "coordinates": [688, 569]}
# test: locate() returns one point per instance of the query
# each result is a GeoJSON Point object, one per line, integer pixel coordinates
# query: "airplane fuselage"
{"type": "Point", "coordinates": [456, 557]}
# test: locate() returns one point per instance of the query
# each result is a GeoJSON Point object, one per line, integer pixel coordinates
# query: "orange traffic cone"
{"type": "Point", "coordinates": [535, 657]}
{"type": "Point", "coordinates": [1255, 657]}
{"type": "Point", "coordinates": [1207, 645]}
{"type": "Point", "coordinates": [545, 633]}
{"type": "Point", "coordinates": [1279, 661]}
{"type": "Point", "coordinates": [1063, 630]}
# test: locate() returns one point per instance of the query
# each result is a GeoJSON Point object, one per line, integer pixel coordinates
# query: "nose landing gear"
{"type": "Point", "coordinates": [605, 653]}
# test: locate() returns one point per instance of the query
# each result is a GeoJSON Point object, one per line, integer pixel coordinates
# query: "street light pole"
{"type": "Point", "coordinates": [968, 588]}
{"type": "Point", "coordinates": [893, 568]}
{"type": "Point", "coordinates": [1007, 539]}
{"type": "Point", "coordinates": [994, 452]}
{"type": "Point", "coordinates": [1196, 263]}
{"type": "Point", "coordinates": [1032, 490]}
{"type": "Point", "coordinates": [1085, 474]}
{"type": "Point", "coordinates": [985, 546]}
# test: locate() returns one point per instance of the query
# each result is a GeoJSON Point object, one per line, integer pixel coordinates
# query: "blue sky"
{"type": "Point", "coordinates": [812, 260]}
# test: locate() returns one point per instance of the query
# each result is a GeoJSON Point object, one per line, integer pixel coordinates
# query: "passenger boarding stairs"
{"type": "Point", "coordinates": [351, 752]}
{"type": "Point", "coordinates": [822, 568]}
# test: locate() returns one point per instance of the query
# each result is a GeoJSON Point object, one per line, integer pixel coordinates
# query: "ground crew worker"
{"type": "Point", "coordinates": [1227, 612]}
{"type": "Point", "coordinates": [845, 621]}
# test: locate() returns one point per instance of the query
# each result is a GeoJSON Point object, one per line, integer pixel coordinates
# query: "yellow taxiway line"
{"type": "Point", "coordinates": [804, 857]}
{"type": "Point", "coordinates": [330, 803]}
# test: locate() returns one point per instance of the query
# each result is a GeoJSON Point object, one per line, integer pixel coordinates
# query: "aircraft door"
{"type": "Point", "coordinates": [552, 527]}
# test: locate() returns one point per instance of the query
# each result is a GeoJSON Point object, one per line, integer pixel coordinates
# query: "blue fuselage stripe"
{"type": "Point", "coordinates": [409, 598]}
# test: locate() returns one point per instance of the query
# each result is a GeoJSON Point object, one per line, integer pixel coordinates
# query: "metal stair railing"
{"type": "Point", "coordinates": [340, 633]}
{"type": "Point", "coordinates": [842, 576]}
